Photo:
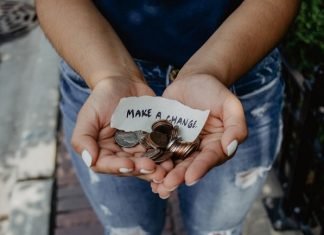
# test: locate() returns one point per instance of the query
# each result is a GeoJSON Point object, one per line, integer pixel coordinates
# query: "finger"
{"type": "Point", "coordinates": [144, 165]}
{"type": "Point", "coordinates": [156, 177]}
{"type": "Point", "coordinates": [163, 194]}
{"type": "Point", "coordinates": [84, 138]}
{"type": "Point", "coordinates": [167, 165]}
{"type": "Point", "coordinates": [137, 149]}
{"type": "Point", "coordinates": [203, 161]}
{"type": "Point", "coordinates": [138, 155]}
{"type": "Point", "coordinates": [235, 129]}
{"type": "Point", "coordinates": [154, 187]}
{"type": "Point", "coordinates": [119, 163]}
{"type": "Point", "coordinates": [173, 179]}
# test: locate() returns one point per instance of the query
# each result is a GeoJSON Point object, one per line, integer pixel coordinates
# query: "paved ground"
{"type": "Point", "coordinates": [28, 153]}
{"type": "Point", "coordinates": [28, 122]}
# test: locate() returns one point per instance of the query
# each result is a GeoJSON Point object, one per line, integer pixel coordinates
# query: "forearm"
{"type": "Point", "coordinates": [85, 40]}
{"type": "Point", "coordinates": [242, 40]}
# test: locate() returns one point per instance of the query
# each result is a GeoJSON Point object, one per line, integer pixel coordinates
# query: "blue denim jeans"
{"type": "Point", "coordinates": [218, 203]}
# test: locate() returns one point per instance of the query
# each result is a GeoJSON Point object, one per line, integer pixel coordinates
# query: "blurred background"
{"type": "Point", "coordinates": [39, 193]}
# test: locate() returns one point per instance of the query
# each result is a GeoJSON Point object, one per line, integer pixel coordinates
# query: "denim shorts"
{"type": "Point", "coordinates": [219, 202]}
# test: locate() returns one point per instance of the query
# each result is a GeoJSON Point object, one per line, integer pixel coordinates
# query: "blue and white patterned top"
{"type": "Point", "coordinates": [165, 31]}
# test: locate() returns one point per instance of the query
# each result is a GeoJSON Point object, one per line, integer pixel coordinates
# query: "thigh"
{"type": "Point", "coordinates": [218, 203]}
{"type": "Point", "coordinates": [124, 205]}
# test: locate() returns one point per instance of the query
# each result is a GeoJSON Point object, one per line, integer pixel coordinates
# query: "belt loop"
{"type": "Point", "coordinates": [232, 88]}
{"type": "Point", "coordinates": [172, 73]}
{"type": "Point", "coordinates": [167, 78]}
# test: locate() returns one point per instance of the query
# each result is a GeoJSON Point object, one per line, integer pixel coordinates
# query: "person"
{"type": "Point", "coordinates": [227, 60]}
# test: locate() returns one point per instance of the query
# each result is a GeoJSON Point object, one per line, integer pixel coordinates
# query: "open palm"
{"type": "Point", "coordinates": [93, 137]}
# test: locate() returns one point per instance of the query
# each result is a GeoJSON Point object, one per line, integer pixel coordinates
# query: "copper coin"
{"type": "Point", "coordinates": [158, 140]}
{"type": "Point", "coordinates": [163, 126]}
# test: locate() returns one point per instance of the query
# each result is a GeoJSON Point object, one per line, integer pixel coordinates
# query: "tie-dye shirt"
{"type": "Point", "coordinates": [165, 31]}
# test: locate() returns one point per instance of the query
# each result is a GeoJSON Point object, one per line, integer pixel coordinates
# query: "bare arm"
{"type": "Point", "coordinates": [88, 43]}
{"type": "Point", "coordinates": [85, 40]}
{"type": "Point", "coordinates": [244, 38]}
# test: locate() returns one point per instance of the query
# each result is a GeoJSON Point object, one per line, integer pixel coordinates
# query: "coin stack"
{"type": "Point", "coordinates": [163, 143]}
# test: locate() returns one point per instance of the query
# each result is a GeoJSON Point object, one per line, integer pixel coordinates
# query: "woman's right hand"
{"type": "Point", "coordinates": [93, 138]}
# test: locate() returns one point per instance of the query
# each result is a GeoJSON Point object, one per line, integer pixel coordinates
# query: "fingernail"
{"type": "Point", "coordinates": [172, 189]}
{"type": "Point", "coordinates": [165, 197]}
{"type": "Point", "coordinates": [192, 183]}
{"type": "Point", "coordinates": [157, 181]}
{"type": "Point", "coordinates": [144, 171]}
{"type": "Point", "coordinates": [231, 148]}
{"type": "Point", "coordinates": [125, 170]}
{"type": "Point", "coordinates": [86, 158]}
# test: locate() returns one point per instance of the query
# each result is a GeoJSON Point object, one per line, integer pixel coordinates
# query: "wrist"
{"type": "Point", "coordinates": [116, 76]}
{"type": "Point", "coordinates": [219, 71]}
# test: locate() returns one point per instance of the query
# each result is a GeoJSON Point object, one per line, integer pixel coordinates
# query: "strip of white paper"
{"type": "Point", "coordinates": [139, 113]}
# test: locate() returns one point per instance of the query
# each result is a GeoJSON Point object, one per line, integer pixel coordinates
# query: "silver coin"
{"type": "Point", "coordinates": [165, 156]}
{"type": "Point", "coordinates": [153, 153]}
{"type": "Point", "coordinates": [144, 143]}
{"type": "Point", "coordinates": [141, 134]}
{"type": "Point", "coordinates": [126, 139]}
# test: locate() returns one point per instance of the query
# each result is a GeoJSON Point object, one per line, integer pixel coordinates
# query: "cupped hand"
{"type": "Point", "coordinates": [224, 129]}
{"type": "Point", "coordinates": [93, 137]}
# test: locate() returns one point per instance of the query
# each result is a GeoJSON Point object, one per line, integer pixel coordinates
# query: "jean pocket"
{"type": "Point", "coordinates": [262, 74]}
{"type": "Point", "coordinates": [264, 105]}
{"type": "Point", "coordinates": [73, 77]}
{"type": "Point", "coordinates": [74, 92]}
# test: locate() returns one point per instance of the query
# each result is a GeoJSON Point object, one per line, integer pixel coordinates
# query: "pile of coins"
{"type": "Point", "coordinates": [163, 143]}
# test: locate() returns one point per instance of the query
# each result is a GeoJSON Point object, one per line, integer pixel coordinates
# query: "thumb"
{"type": "Point", "coordinates": [85, 135]}
{"type": "Point", "coordinates": [235, 129]}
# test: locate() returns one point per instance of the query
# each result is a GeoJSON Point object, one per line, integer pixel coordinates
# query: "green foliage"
{"type": "Point", "coordinates": [304, 44]}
